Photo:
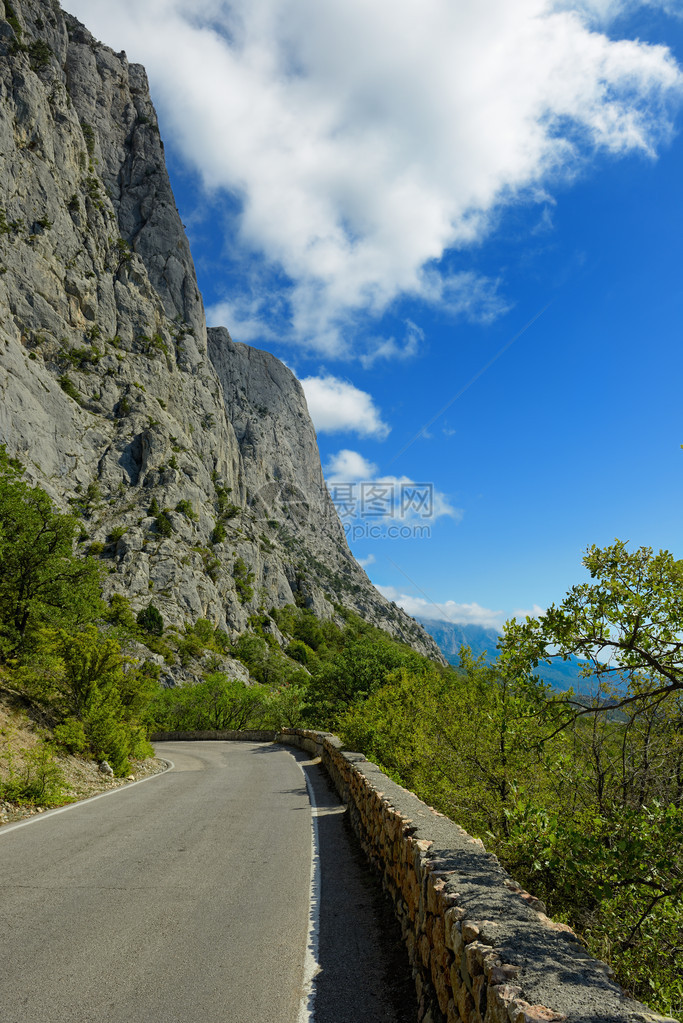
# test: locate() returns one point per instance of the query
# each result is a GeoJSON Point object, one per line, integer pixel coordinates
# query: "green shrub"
{"type": "Point", "coordinates": [89, 136]}
{"type": "Point", "coordinates": [300, 652]}
{"type": "Point", "coordinates": [204, 630]}
{"type": "Point", "coordinates": [107, 733]}
{"type": "Point", "coordinates": [150, 619]}
{"type": "Point", "coordinates": [186, 509]}
{"type": "Point", "coordinates": [217, 702]}
{"type": "Point", "coordinates": [12, 19]}
{"type": "Point", "coordinates": [163, 524]}
{"type": "Point", "coordinates": [82, 358]}
{"type": "Point", "coordinates": [39, 780]}
{"type": "Point", "coordinates": [189, 648]}
{"type": "Point", "coordinates": [69, 387]}
{"type": "Point", "coordinates": [218, 533]}
{"type": "Point", "coordinates": [40, 54]}
{"type": "Point", "coordinates": [123, 254]}
{"type": "Point", "coordinates": [93, 191]}
{"type": "Point", "coordinates": [120, 613]}
{"type": "Point", "coordinates": [71, 735]}
{"type": "Point", "coordinates": [139, 744]}
{"type": "Point", "coordinates": [153, 345]}
{"type": "Point", "coordinates": [243, 580]}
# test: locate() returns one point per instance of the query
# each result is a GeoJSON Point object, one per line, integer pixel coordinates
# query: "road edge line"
{"type": "Point", "coordinates": [311, 964]}
{"type": "Point", "coordinates": [6, 828]}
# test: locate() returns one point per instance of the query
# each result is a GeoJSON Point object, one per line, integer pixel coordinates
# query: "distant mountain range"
{"type": "Point", "coordinates": [450, 636]}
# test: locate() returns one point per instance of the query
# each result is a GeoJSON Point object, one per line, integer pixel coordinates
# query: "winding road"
{"type": "Point", "coordinates": [198, 896]}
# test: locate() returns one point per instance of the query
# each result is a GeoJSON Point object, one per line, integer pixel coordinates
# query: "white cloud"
{"type": "Point", "coordinates": [388, 348]}
{"type": "Point", "coordinates": [348, 466]}
{"type": "Point", "coordinates": [448, 610]}
{"type": "Point", "coordinates": [336, 405]}
{"type": "Point", "coordinates": [365, 141]}
{"type": "Point", "coordinates": [366, 562]}
{"type": "Point", "coordinates": [440, 505]}
{"type": "Point", "coordinates": [533, 612]}
{"type": "Point", "coordinates": [464, 295]}
{"type": "Point", "coordinates": [247, 321]}
{"type": "Point", "coordinates": [602, 12]}
{"type": "Point", "coordinates": [361, 496]}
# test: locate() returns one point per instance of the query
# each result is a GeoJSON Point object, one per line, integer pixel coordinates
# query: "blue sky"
{"type": "Point", "coordinates": [457, 206]}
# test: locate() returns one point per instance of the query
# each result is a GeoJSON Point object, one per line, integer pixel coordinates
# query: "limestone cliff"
{"type": "Point", "coordinates": [191, 459]}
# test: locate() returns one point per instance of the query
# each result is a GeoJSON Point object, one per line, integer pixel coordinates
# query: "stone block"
{"type": "Point", "coordinates": [465, 1003]}
{"type": "Point", "coordinates": [451, 917]}
{"type": "Point", "coordinates": [503, 973]}
{"type": "Point", "coordinates": [477, 955]}
{"type": "Point", "coordinates": [438, 934]}
{"type": "Point", "coordinates": [452, 1014]}
{"type": "Point", "coordinates": [499, 1001]}
{"type": "Point", "coordinates": [456, 976]}
{"type": "Point", "coordinates": [442, 986]}
{"type": "Point", "coordinates": [435, 886]}
{"type": "Point", "coordinates": [525, 1013]}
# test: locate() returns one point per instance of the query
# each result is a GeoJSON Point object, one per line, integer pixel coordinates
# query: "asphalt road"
{"type": "Point", "coordinates": [187, 899]}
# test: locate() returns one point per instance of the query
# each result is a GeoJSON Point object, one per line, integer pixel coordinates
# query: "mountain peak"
{"type": "Point", "coordinates": [191, 458]}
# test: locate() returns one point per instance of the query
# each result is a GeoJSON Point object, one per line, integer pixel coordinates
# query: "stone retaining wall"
{"type": "Point", "coordinates": [482, 949]}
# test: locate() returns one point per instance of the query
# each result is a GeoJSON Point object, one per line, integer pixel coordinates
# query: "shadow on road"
{"type": "Point", "coordinates": [364, 970]}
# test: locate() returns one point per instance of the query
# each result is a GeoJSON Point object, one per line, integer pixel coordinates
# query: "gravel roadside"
{"type": "Point", "coordinates": [84, 779]}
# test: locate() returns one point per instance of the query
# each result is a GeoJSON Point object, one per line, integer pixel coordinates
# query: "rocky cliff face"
{"type": "Point", "coordinates": [191, 459]}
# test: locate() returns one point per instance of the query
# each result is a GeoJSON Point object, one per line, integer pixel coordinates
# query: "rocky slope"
{"type": "Point", "coordinates": [191, 459]}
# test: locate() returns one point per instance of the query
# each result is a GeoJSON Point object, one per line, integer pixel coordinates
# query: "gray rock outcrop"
{"type": "Point", "coordinates": [191, 459]}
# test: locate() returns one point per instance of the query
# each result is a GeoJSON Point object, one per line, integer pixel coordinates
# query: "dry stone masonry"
{"type": "Point", "coordinates": [482, 949]}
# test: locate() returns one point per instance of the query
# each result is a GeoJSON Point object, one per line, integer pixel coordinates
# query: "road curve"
{"type": "Point", "coordinates": [181, 899]}
{"type": "Point", "coordinates": [186, 899]}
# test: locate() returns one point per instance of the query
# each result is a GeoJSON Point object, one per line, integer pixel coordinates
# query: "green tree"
{"type": "Point", "coordinates": [362, 665]}
{"type": "Point", "coordinates": [42, 580]}
{"type": "Point", "coordinates": [469, 739]}
{"type": "Point", "coordinates": [216, 703]}
{"type": "Point", "coordinates": [244, 578]}
{"type": "Point", "coordinates": [627, 625]}
{"type": "Point", "coordinates": [604, 843]}
{"type": "Point", "coordinates": [108, 736]}
{"type": "Point", "coordinates": [86, 662]}
{"type": "Point", "coordinates": [120, 614]}
{"type": "Point", "coordinates": [489, 729]}
{"type": "Point", "coordinates": [267, 664]}
{"type": "Point", "coordinates": [149, 618]}
{"type": "Point", "coordinates": [391, 728]}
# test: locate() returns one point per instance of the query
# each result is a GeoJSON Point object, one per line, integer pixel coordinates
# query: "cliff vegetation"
{"type": "Point", "coordinates": [164, 520]}
{"type": "Point", "coordinates": [581, 798]}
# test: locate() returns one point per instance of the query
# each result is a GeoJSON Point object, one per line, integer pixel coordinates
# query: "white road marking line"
{"type": "Point", "coordinates": [311, 964]}
{"type": "Point", "coordinates": [6, 828]}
